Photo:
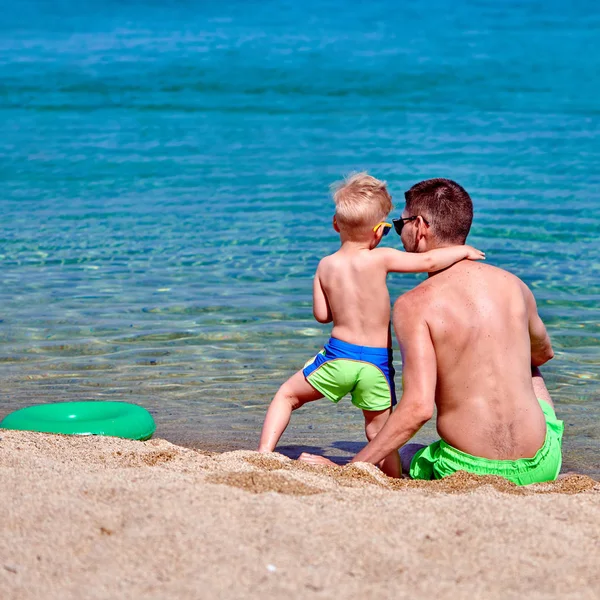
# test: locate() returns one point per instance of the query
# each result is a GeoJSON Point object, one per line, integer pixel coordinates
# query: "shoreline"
{"type": "Point", "coordinates": [340, 455]}
{"type": "Point", "coordinates": [105, 517]}
{"type": "Point", "coordinates": [334, 435]}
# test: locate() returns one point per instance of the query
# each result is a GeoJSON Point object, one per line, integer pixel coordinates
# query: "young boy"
{"type": "Point", "coordinates": [350, 290]}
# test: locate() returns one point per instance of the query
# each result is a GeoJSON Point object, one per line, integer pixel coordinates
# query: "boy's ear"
{"type": "Point", "coordinates": [335, 225]}
{"type": "Point", "coordinates": [377, 237]}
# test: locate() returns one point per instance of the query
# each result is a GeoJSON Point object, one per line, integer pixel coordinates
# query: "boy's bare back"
{"type": "Point", "coordinates": [354, 283]}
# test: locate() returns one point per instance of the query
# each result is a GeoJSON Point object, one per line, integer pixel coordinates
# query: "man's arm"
{"type": "Point", "coordinates": [419, 376]}
{"type": "Point", "coordinates": [541, 347]}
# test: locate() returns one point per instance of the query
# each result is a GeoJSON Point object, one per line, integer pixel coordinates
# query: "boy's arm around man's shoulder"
{"type": "Point", "coordinates": [396, 261]}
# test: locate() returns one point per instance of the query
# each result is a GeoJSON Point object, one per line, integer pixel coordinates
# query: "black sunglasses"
{"type": "Point", "coordinates": [399, 223]}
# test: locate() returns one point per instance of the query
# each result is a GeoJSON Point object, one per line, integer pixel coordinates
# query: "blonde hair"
{"type": "Point", "coordinates": [361, 201]}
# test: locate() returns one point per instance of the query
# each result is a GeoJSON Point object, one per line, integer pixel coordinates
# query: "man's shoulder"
{"type": "Point", "coordinates": [433, 290]}
{"type": "Point", "coordinates": [498, 271]}
{"type": "Point", "coordinates": [411, 311]}
{"type": "Point", "coordinates": [500, 277]}
{"type": "Point", "coordinates": [416, 299]}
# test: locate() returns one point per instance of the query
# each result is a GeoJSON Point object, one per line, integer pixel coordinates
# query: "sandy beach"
{"type": "Point", "coordinates": [108, 518]}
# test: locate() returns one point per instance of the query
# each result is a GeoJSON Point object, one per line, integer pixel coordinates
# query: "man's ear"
{"type": "Point", "coordinates": [335, 225]}
{"type": "Point", "coordinates": [422, 230]}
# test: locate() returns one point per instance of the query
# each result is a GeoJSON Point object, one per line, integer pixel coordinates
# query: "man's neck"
{"type": "Point", "coordinates": [436, 246]}
{"type": "Point", "coordinates": [452, 266]}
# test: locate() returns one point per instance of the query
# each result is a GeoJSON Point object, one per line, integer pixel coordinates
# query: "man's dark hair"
{"type": "Point", "coordinates": [445, 205]}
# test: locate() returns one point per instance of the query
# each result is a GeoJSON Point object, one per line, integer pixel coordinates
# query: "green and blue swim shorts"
{"type": "Point", "coordinates": [364, 372]}
{"type": "Point", "coordinates": [441, 459]}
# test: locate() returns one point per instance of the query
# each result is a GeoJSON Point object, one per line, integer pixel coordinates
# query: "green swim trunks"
{"type": "Point", "coordinates": [440, 459]}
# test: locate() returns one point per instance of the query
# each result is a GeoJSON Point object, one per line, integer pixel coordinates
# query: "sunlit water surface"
{"type": "Point", "coordinates": [165, 171]}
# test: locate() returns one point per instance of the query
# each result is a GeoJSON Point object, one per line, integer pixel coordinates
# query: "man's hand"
{"type": "Point", "coordinates": [315, 459]}
{"type": "Point", "coordinates": [474, 254]}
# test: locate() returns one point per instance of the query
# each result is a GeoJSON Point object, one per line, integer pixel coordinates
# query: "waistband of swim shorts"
{"type": "Point", "coordinates": [497, 467]}
{"type": "Point", "coordinates": [518, 465]}
{"type": "Point", "coordinates": [358, 352]}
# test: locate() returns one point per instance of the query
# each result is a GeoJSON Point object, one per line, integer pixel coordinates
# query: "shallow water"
{"type": "Point", "coordinates": [165, 201]}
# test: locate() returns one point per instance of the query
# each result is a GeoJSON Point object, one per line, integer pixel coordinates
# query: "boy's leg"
{"type": "Point", "coordinates": [374, 421]}
{"type": "Point", "coordinates": [295, 392]}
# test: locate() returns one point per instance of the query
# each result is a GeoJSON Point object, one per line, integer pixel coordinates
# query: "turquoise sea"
{"type": "Point", "coordinates": [164, 172]}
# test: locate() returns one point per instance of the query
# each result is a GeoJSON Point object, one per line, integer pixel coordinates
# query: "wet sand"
{"type": "Point", "coordinates": [107, 518]}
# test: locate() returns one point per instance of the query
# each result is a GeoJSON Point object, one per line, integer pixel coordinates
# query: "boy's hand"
{"type": "Point", "coordinates": [474, 254]}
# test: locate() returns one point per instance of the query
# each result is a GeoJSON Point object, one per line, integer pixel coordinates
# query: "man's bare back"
{"type": "Point", "coordinates": [478, 319]}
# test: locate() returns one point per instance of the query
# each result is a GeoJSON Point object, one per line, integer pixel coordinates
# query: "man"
{"type": "Point", "coordinates": [471, 341]}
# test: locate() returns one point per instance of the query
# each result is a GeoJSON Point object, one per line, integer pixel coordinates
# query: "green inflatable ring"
{"type": "Point", "coordinates": [117, 419]}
